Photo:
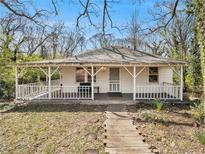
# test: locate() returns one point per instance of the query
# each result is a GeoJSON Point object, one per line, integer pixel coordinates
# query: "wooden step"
{"type": "Point", "coordinates": [124, 143]}
{"type": "Point", "coordinates": [116, 136]}
{"type": "Point", "coordinates": [132, 150]}
{"type": "Point", "coordinates": [121, 136]}
{"type": "Point", "coordinates": [120, 126]}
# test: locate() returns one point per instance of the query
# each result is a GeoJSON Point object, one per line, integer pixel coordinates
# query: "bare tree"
{"type": "Point", "coordinates": [134, 37]}
{"type": "Point", "coordinates": [155, 46]}
{"type": "Point", "coordinates": [164, 11]}
{"type": "Point", "coordinates": [35, 37]}
{"type": "Point", "coordinates": [19, 8]}
{"type": "Point", "coordinates": [70, 43]}
{"type": "Point", "coordinates": [177, 37]}
{"type": "Point", "coordinates": [12, 33]}
{"type": "Point", "coordinates": [55, 34]}
{"type": "Point", "coordinates": [101, 40]}
{"type": "Point", "coordinates": [90, 11]}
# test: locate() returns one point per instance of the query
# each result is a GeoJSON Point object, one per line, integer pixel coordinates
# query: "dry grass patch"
{"type": "Point", "coordinates": [172, 130]}
{"type": "Point", "coordinates": [51, 129]}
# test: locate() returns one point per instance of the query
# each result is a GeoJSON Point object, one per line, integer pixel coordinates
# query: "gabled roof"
{"type": "Point", "coordinates": [111, 55]}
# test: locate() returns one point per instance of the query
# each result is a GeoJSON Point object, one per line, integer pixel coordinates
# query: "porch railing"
{"type": "Point", "coordinates": [30, 92]}
{"type": "Point", "coordinates": [114, 86]}
{"type": "Point", "coordinates": [71, 92]}
{"type": "Point", "coordinates": [158, 92]}
{"type": "Point", "coordinates": [33, 90]}
{"type": "Point", "coordinates": [53, 82]}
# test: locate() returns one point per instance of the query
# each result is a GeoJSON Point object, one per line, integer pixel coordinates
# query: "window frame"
{"type": "Point", "coordinates": [153, 74]}
{"type": "Point", "coordinates": [86, 75]}
{"type": "Point", "coordinates": [77, 75]}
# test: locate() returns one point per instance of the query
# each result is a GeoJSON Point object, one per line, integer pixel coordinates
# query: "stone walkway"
{"type": "Point", "coordinates": [121, 137]}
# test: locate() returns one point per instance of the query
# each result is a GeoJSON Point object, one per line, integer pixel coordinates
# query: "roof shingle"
{"type": "Point", "coordinates": [113, 54]}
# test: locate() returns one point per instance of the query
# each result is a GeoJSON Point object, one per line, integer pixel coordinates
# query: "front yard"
{"type": "Point", "coordinates": [51, 129]}
{"type": "Point", "coordinates": [55, 128]}
{"type": "Point", "coordinates": [171, 130]}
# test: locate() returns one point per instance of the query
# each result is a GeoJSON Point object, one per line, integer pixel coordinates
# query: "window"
{"type": "Point", "coordinates": [153, 74]}
{"type": "Point", "coordinates": [89, 76]}
{"type": "Point", "coordinates": [83, 76]}
{"type": "Point", "coordinates": [80, 74]}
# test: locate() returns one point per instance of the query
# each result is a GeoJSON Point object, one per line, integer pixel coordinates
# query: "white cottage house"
{"type": "Point", "coordinates": [97, 74]}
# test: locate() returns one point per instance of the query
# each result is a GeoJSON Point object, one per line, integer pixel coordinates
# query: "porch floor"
{"type": "Point", "coordinates": [114, 96]}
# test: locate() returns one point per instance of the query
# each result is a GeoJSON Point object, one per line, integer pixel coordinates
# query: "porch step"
{"type": "Point", "coordinates": [130, 150]}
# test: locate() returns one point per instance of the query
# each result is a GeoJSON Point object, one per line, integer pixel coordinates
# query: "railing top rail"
{"type": "Point", "coordinates": [114, 81]}
{"type": "Point", "coordinates": [68, 86]}
{"type": "Point", "coordinates": [51, 86]}
{"type": "Point", "coordinates": [157, 86]}
{"type": "Point", "coordinates": [42, 82]}
{"type": "Point", "coordinates": [25, 85]}
{"type": "Point", "coordinates": [167, 83]}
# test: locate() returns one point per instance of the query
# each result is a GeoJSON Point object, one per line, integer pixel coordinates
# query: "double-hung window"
{"type": "Point", "coordinates": [80, 74]}
{"type": "Point", "coordinates": [153, 74]}
{"type": "Point", "coordinates": [83, 76]}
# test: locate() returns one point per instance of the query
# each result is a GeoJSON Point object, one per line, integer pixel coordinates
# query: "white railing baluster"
{"type": "Point", "coordinates": [158, 92]}
{"type": "Point", "coordinates": [33, 91]}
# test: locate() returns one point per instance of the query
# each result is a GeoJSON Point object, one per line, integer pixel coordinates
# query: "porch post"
{"type": "Point", "coordinates": [92, 84]}
{"type": "Point", "coordinates": [49, 82]}
{"type": "Point", "coordinates": [181, 83]}
{"type": "Point", "coordinates": [16, 81]}
{"type": "Point", "coordinates": [134, 83]}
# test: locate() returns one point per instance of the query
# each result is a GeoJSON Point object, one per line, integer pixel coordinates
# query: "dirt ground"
{"type": "Point", "coordinates": [51, 129]}
{"type": "Point", "coordinates": [55, 128]}
{"type": "Point", "coordinates": [171, 131]}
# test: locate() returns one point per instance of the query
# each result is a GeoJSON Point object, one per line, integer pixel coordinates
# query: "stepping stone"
{"type": "Point", "coordinates": [125, 137]}
{"type": "Point", "coordinates": [122, 135]}
{"type": "Point", "coordinates": [125, 143]}
{"type": "Point", "coordinates": [131, 150]}
{"type": "Point", "coordinates": [91, 151]}
{"type": "Point", "coordinates": [120, 127]}
{"type": "Point", "coordinates": [118, 131]}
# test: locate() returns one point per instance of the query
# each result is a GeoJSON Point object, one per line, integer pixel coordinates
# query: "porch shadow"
{"type": "Point", "coordinates": [66, 108]}
{"type": "Point", "coordinates": [116, 106]}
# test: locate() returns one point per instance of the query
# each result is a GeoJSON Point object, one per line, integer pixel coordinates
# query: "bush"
{"type": "Point", "coordinates": [146, 116]}
{"type": "Point", "coordinates": [7, 74]}
{"type": "Point", "coordinates": [201, 137]}
{"type": "Point", "coordinates": [198, 111]}
{"type": "Point", "coordinates": [158, 105]}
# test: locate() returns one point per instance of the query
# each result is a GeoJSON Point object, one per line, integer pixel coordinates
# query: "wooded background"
{"type": "Point", "coordinates": [178, 33]}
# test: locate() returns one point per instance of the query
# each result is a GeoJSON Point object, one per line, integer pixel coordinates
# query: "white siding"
{"type": "Point", "coordinates": [165, 75]}
{"type": "Point", "coordinates": [68, 76]}
{"type": "Point", "coordinates": [102, 80]}
{"type": "Point", "coordinates": [126, 80]}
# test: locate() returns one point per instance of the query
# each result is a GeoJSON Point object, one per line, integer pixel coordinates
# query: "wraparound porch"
{"type": "Point", "coordinates": [55, 90]}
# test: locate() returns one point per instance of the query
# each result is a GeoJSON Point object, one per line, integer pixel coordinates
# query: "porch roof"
{"type": "Point", "coordinates": [111, 55]}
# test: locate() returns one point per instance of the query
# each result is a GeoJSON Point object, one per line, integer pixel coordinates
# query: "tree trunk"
{"type": "Point", "coordinates": [200, 15]}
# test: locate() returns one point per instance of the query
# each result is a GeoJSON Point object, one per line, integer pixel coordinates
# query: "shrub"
{"type": "Point", "coordinates": [158, 105]}
{"type": "Point", "coordinates": [198, 111]}
{"type": "Point", "coordinates": [146, 116]}
{"type": "Point", "coordinates": [201, 137]}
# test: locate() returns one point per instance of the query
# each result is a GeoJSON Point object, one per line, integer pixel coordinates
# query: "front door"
{"type": "Point", "coordinates": [114, 80]}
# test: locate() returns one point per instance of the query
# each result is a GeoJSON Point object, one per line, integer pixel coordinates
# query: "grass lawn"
{"type": "Point", "coordinates": [171, 130]}
{"type": "Point", "coordinates": [51, 129]}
